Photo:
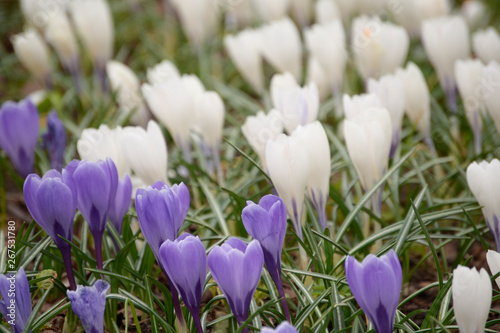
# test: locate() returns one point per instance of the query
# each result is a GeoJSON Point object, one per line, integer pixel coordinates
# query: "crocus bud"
{"type": "Point", "coordinates": [185, 261]}
{"type": "Point", "coordinates": [410, 14]}
{"type": "Point", "coordinates": [282, 47]}
{"type": "Point", "coordinates": [259, 129]}
{"type": "Point", "coordinates": [88, 303]}
{"type": "Point", "coordinates": [472, 294]}
{"type": "Point", "coordinates": [353, 105]}
{"type": "Point", "coordinates": [469, 76]}
{"type": "Point", "coordinates": [126, 84]}
{"type": "Point", "coordinates": [237, 268]}
{"type": "Point", "coordinates": [244, 49]}
{"type": "Point", "coordinates": [95, 184]}
{"type": "Point", "coordinates": [326, 11]}
{"type": "Point", "coordinates": [52, 202]}
{"type": "Point", "coordinates": [302, 11]}
{"type": "Point", "coordinates": [54, 140]}
{"type": "Point", "coordinates": [326, 43]}
{"type": "Point", "coordinates": [281, 86]}
{"type": "Point", "coordinates": [493, 258]}
{"type": "Point", "coordinates": [316, 74]}
{"type": "Point", "coordinates": [486, 45]}
{"type": "Point", "coordinates": [484, 183]}
{"type": "Point", "coordinates": [121, 203]}
{"type": "Point", "coordinates": [284, 327]}
{"type": "Point", "coordinates": [33, 54]}
{"type": "Point", "coordinates": [491, 91]}
{"type": "Point", "coordinates": [288, 167]}
{"type": "Point", "coordinates": [474, 13]}
{"type": "Point", "coordinates": [391, 93]}
{"type": "Point", "coordinates": [417, 100]}
{"type": "Point", "coordinates": [15, 307]}
{"type": "Point", "coordinates": [94, 23]}
{"type": "Point", "coordinates": [376, 285]}
{"type": "Point", "coordinates": [271, 10]}
{"type": "Point", "coordinates": [379, 47]}
{"type": "Point", "coordinates": [162, 72]}
{"type": "Point", "coordinates": [300, 107]}
{"type": "Point", "coordinates": [19, 134]}
{"type": "Point", "coordinates": [146, 152]}
{"type": "Point", "coordinates": [446, 39]}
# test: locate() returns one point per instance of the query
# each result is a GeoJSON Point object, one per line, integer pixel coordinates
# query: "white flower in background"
{"type": "Point", "coordinates": [411, 13]}
{"type": "Point", "coordinates": [97, 144]}
{"type": "Point", "coordinates": [288, 168]}
{"type": "Point", "coordinates": [491, 91]}
{"type": "Point", "coordinates": [145, 152]}
{"type": "Point", "coordinates": [281, 85]}
{"type": "Point", "coordinates": [493, 258]}
{"type": "Point", "coordinates": [391, 93]}
{"type": "Point", "coordinates": [318, 181]}
{"type": "Point", "coordinates": [94, 24]}
{"type": "Point", "coordinates": [302, 11]}
{"type": "Point", "coordinates": [209, 124]}
{"type": "Point", "coordinates": [484, 182]}
{"type": "Point", "coordinates": [198, 19]}
{"type": "Point", "coordinates": [474, 12]}
{"type": "Point", "coordinates": [326, 43]}
{"type": "Point", "coordinates": [244, 49]}
{"type": "Point", "coordinates": [316, 74]}
{"type": "Point", "coordinates": [174, 104]}
{"type": "Point", "coordinates": [38, 13]}
{"type": "Point", "coordinates": [370, 7]}
{"type": "Point", "coordinates": [127, 86]}
{"type": "Point", "coordinates": [469, 76]}
{"type": "Point", "coordinates": [162, 72]}
{"type": "Point", "coordinates": [379, 47]}
{"type": "Point", "coordinates": [472, 294]}
{"type": "Point", "coordinates": [260, 129]}
{"type": "Point", "coordinates": [326, 11]}
{"type": "Point", "coordinates": [282, 47]}
{"type": "Point", "coordinates": [417, 100]}
{"type": "Point", "coordinates": [300, 107]}
{"type": "Point", "coordinates": [486, 44]}
{"type": "Point", "coordinates": [368, 136]}
{"type": "Point", "coordinates": [239, 14]}
{"type": "Point", "coordinates": [33, 54]}
{"type": "Point", "coordinates": [446, 40]}
{"type": "Point", "coordinates": [433, 8]}
{"type": "Point", "coordinates": [347, 8]}
{"type": "Point", "coordinates": [353, 105]}
{"type": "Point", "coordinates": [271, 10]}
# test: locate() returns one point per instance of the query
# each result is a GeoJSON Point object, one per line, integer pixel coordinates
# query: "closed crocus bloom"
{"type": "Point", "coordinates": [35, 12]}
{"type": "Point", "coordinates": [121, 203]}
{"type": "Point", "coordinates": [146, 152]}
{"type": "Point", "coordinates": [281, 86]}
{"type": "Point", "coordinates": [162, 72]}
{"type": "Point", "coordinates": [266, 222]}
{"type": "Point", "coordinates": [259, 129]}
{"type": "Point", "coordinates": [239, 15]}
{"type": "Point", "coordinates": [410, 13]}
{"type": "Point", "coordinates": [284, 327]}
{"type": "Point", "coordinates": [353, 105]}
{"type": "Point", "coordinates": [282, 47]}
{"type": "Point", "coordinates": [326, 43]}
{"type": "Point", "coordinates": [88, 303]}
{"type": "Point", "coordinates": [391, 93]}
{"type": "Point", "coordinates": [237, 268]}
{"type": "Point", "coordinates": [95, 184]}
{"type": "Point", "coordinates": [52, 202]}
{"type": "Point", "coordinates": [486, 45]}
{"type": "Point", "coordinates": [326, 11]}
{"type": "Point", "coordinates": [19, 134]}
{"type": "Point", "coordinates": [300, 107]}
{"type": "Point", "coordinates": [94, 23]}
{"type": "Point", "coordinates": [302, 11]}
{"type": "Point", "coordinates": [316, 74]}
{"type": "Point", "coordinates": [493, 258]}
{"type": "Point", "coordinates": [484, 181]}
{"type": "Point", "coordinates": [474, 12]}
{"type": "Point", "coordinates": [271, 10]}
{"type": "Point", "coordinates": [54, 140]}
{"type": "Point", "coordinates": [379, 47]}
{"type": "Point", "coordinates": [15, 307]}
{"type": "Point", "coordinates": [368, 137]}
{"type": "Point", "coordinates": [417, 100]}
{"type": "Point", "coordinates": [491, 91]}
{"type": "Point", "coordinates": [469, 76]}
{"type": "Point", "coordinates": [446, 40]}
{"type": "Point", "coordinates": [288, 168]}
{"type": "Point", "coordinates": [244, 49]}
{"type": "Point", "coordinates": [185, 261]}
{"type": "Point", "coordinates": [33, 54]}
{"type": "Point", "coordinates": [376, 285]}
{"type": "Point", "coordinates": [472, 294]}
{"type": "Point", "coordinates": [126, 84]}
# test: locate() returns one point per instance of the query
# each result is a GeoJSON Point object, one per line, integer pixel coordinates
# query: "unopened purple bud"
{"type": "Point", "coordinates": [15, 305]}
{"type": "Point", "coordinates": [54, 140]}
{"type": "Point", "coordinates": [121, 203]}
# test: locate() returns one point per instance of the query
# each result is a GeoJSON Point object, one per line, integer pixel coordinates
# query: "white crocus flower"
{"type": "Point", "coordinates": [300, 107]}
{"type": "Point", "coordinates": [493, 258]}
{"type": "Point", "coordinates": [281, 85]}
{"type": "Point", "coordinates": [446, 40]}
{"type": "Point", "coordinates": [288, 167]}
{"type": "Point", "coordinates": [474, 13]}
{"type": "Point", "coordinates": [271, 10]}
{"type": "Point", "coordinates": [472, 294]}
{"type": "Point", "coordinates": [318, 181]}
{"type": "Point", "coordinates": [244, 49]}
{"type": "Point", "coordinates": [302, 11]}
{"type": "Point", "coordinates": [491, 91]}
{"type": "Point", "coordinates": [316, 74]}
{"type": "Point", "coordinates": [410, 13]}
{"type": "Point", "coordinates": [282, 47]}
{"type": "Point", "coordinates": [391, 93]}
{"type": "Point", "coordinates": [486, 44]}
{"type": "Point", "coordinates": [162, 72]}
{"type": "Point", "coordinates": [353, 105]}
{"type": "Point", "coordinates": [326, 11]}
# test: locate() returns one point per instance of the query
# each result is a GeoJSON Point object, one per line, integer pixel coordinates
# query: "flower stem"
{"type": "Point", "coordinates": [98, 251]}
{"type": "Point", "coordinates": [66, 254]}
{"type": "Point", "coordinates": [281, 294]}
{"type": "Point", "coordinates": [175, 300]}
{"type": "Point", "coordinates": [195, 313]}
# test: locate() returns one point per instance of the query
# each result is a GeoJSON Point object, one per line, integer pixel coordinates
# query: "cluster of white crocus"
{"type": "Point", "coordinates": [491, 91]}
{"type": "Point", "coordinates": [379, 47]}
{"type": "Point", "coordinates": [411, 13]}
{"type": "Point", "coordinates": [446, 40]}
{"type": "Point", "coordinates": [486, 45]}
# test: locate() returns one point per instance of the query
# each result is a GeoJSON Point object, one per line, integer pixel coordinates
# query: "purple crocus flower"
{"type": "Point", "coordinates": [19, 127]}
{"type": "Point", "coordinates": [88, 303]}
{"type": "Point", "coordinates": [121, 203]}
{"type": "Point", "coordinates": [95, 184]}
{"type": "Point", "coordinates": [284, 327]}
{"type": "Point", "coordinates": [161, 210]}
{"type": "Point", "coordinates": [51, 201]}
{"type": "Point", "coordinates": [185, 261]}
{"type": "Point", "coordinates": [266, 222]}
{"type": "Point", "coordinates": [54, 140]}
{"type": "Point", "coordinates": [15, 305]}
{"type": "Point", "coordinates": [376, 285]}
{"type": "Point", "coordinates": [237, 268]}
